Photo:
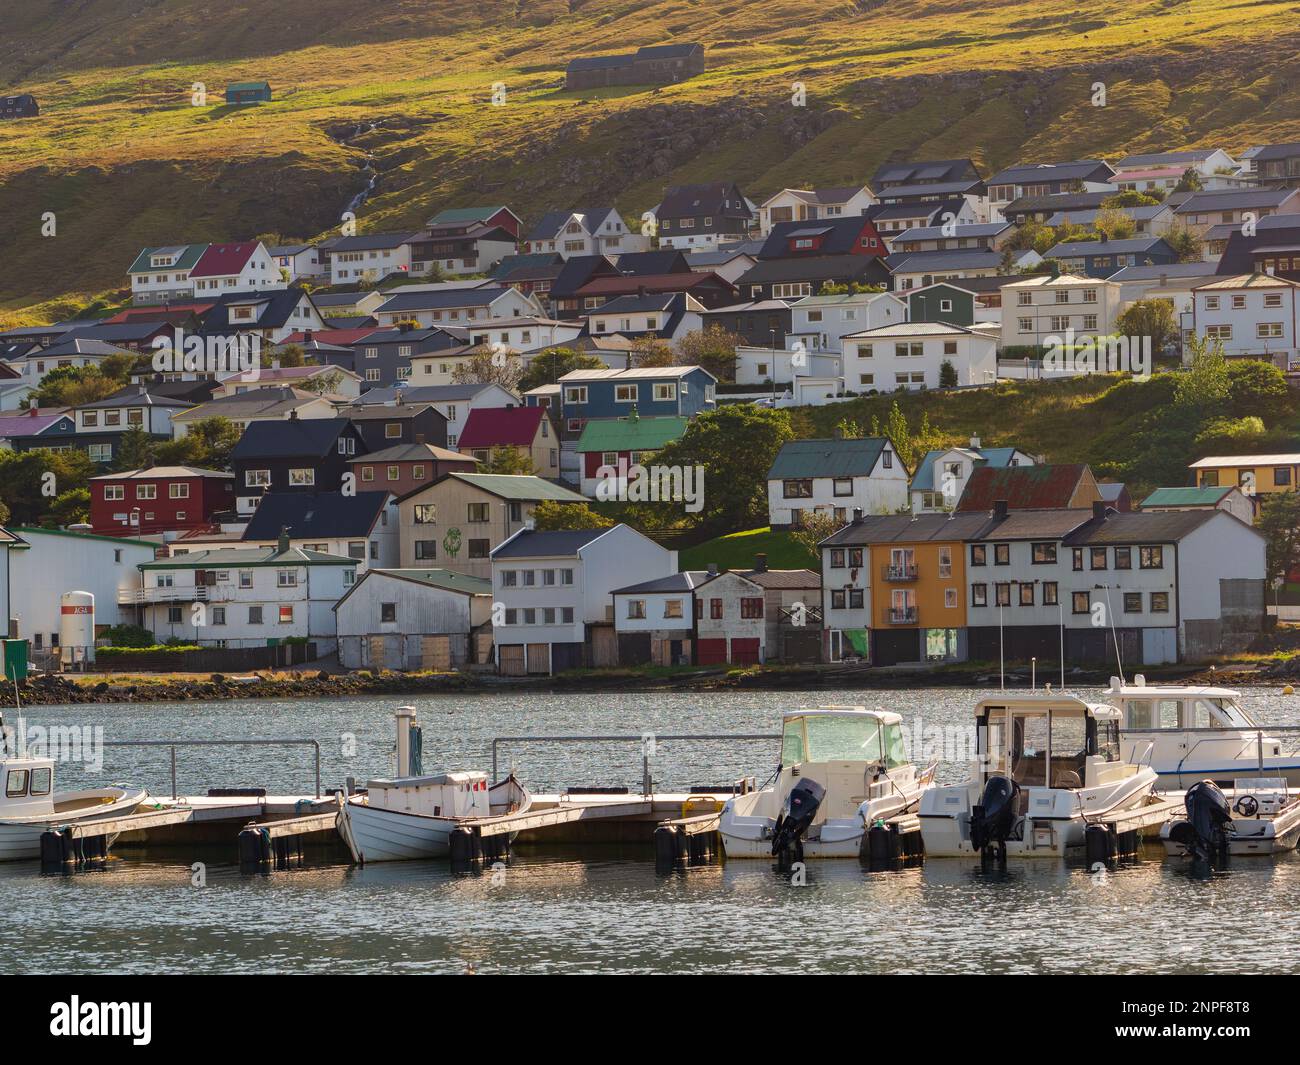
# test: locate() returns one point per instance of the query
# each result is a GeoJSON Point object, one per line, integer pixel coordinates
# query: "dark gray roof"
{"type": "Point", "coordinates": [1233, 199]}
{"type": "Point", "coordinates": [813, 268]}
{"type": "Point", "coordinates": [686, 581]}
{"type": "Point", "coordinates": [292, 438]}
{"type": "Point", "coordinates": [457, 297]}
{"type": "Point", "coordinates": [1156, 271]}
{"type": "Point", "coordinates": [906, 528]}
{"type": "Point", "coordinates": [827, 458]}
{"type": "Point", "coordinates": [551, 543]}
{"type": "Point", "coordinates": [1141, 526]}
{"type": "Point", "coordinates": [1030, 173]}
{"type": "Point", "coordinates": [315, 515]}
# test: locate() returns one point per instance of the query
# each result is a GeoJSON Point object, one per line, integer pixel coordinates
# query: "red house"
{"type": "Point", "coordinates": [528, 430]}
{"type": "Point", "coordinates": [159, 500]}
{"type": "Point", "coordinates": [850, 235]}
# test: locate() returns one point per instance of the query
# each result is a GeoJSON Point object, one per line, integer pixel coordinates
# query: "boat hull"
{"type": "Point", "coordinates": [20, 838]}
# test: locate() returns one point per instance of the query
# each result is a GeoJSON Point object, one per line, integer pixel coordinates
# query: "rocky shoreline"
{"type": "Point", "coordinates": [55, 690]}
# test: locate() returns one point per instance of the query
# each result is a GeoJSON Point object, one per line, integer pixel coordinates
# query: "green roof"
{"type": "Point", "coordinates": [247, 558]}
{"type": "Point", "coordinates": [191, 255]}
{"type": "Point", "coordinates": [519, 486]}
{"type": "Point", "coordinates": [1186, 497]}
{"type": "Point", "coordinates": [827, 458]}
{"type": "Point", "coordinates": [244, 86]}
{"type": "Point", "coordinates": [630, 434]}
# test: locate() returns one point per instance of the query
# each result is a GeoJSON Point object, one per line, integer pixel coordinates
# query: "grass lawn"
{"type": "Point", "coordinates": [737, 551]}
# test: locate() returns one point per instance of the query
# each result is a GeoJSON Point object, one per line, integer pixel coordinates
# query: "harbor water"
{"type": "Point", "coordinates": [603, 908]}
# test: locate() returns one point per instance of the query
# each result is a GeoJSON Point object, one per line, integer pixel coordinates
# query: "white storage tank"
{"type": "Point", "coordinates": [76, 629]}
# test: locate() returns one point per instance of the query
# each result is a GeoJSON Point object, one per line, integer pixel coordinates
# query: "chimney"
{"type": "Point", "coordinates": [975, 442]}
{"type": "Point", "coordinates": [1164, 280]}
{"type": "Point", "coordinates": [713, 569]}
{"type": "Point", "coordinates": [307, 334]}
{"type": "Point", "coordinates": [33, 412]}
{"type": "Point", "coordinates": [857, 515]}
{"type": "Point", "coordinates": [283, 543]}
{"type": "Point", "coordinates": [999, 508]}
{"type": "Point", "coordinates": [760, 563]}
{"type": "Point", "coordinates": [1099, 509]}
{"type": "Point", "coordinates": [641, 291]}
{"type": "Point", "coordinates": [293, 415]}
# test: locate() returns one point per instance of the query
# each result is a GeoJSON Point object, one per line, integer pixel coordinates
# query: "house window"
{"type": "Point", "coordinates": [367, 473]}
{"type": "Point", "coordinates": [945, 561]}
{"type": "Point", "coordinates": [1002, 594]}
{"type": "Point", "coordinates": [356, 549]}
{"type": "Point", "coordinates": [218, 615]}
{"type": "Point", "coordinates": [426, 514]}
{"type": "Point", "coordinates": [1001, 554]}
{"type": "Point", "coordinates": [1044, 554]}
{"type": "Point", "coordinates": [302, 477]}
{"type": "Point", "coordinates": [1049, 593]}
{"type": "Point", "coordinates": [1123, 558]}
{"type": "Point", "coordinates": [625, 393]}
{"type": "Point", "coordinates": [178, 491]}
{"type": "Point", "coordinates": [387, 612]}
{"type": "Point", "coordinates": [1026, 593]}
{"type": "Point", "coordinates": [146, 491]}
{"type": "Point", "coordinates": [1076, 558]}
{"type": "Point", "coordinates": [257, 478]}
{"type": "Point", "coordinates": [174, 615]}
{"type": "Point", "coordinates": [1160, 602]}
{"type": "Point", "coordinates": [843, 486]}
{"type": "Point", "coordinates": [837, 558]}
{"type": "Point", "coordinates": [672, 608]}
{"type": "Point", "coordinates": [978, 555]}
{"type": "Point", "coordinates": [417, 472]}
{"type": "Point", "coordinates": [245, 578]}
{"type": "Point", "coordinates": [801, 488]}
{"type": "Point", "coordinates": [665, 392]}
{"type": "Point", "coordinates": [255, 615]}
{"type": "Point", "coordinates": [426, 549]}
{"type": "Point", "coordinates": [480, 548]}
{"type": "Point", "coordinates": [1080, 603]}
{"type": "Point", "coordinates": [286, 578]}
{"type": "Point", "coordinates": [479, 512]}
{"type": "Point", "coordinates": [286, 614]}
{"type": "Point", "coordinates": [575, 394]}
{"type": "Point", "coordinates": [1132, 602]}
{"type": "Point", "coordinates": [887, 459]}
{"type": "Point", "coordinates": [100, 452]}
{"type": "Point", "coordinates": [636, 608]}
{"type": "Point", "coordinates": [114, 491]}
{"type": "Point", "coordinates": [1097, 558]}
{"type": "Point", "coordinates": [392, 430]}
{"type": "Point", "coordinates": [837, 599]}
{"type": "Point", "coordinates": [751, 607]}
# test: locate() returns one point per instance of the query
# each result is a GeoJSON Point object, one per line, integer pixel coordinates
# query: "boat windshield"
{"type": "Point", "coordinates": [1048, 751]}
{"type": "Point", "coordinates": [1169, 712]}
{"type": "Point", "coordinates": [835, 738]}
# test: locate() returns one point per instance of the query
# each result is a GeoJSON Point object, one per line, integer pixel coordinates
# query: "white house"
{"type": "Point", "coordinates": [764, 367]}
{"type": "Point", "coordinates": [454, 401]}
{"type": "Point", "coordinates": [911, 355]}
{"type": "Point", "coordinates": [323, 380]}
{"type": "Point", "coordinates": [797, 205]}
{"type": "Point", "coordinates": [45, 563]}
{"type": "Point", "coordinates": [1252, 315]}
{"type": "Point", "coordinates": [244, 598]}
{"type": "Point", "coordinates": [414, 619]}
{"type": "Point", "coordinates": [1042, 306]}
{"type": "Point", "coordinates": [941, 475]}
{"type": "Point", "coordinates": [244, 266]}
{"type": "Point", "coordinates": [1205, 161]}
{"type": "Point", "coordinates": [822, 322]}
{"type": "Point", "coordinates": [589, 231]}
{"type": "Point", "coordinates": [556, 594]}
{"type": "Point", "coordinates": [162, 275]}
{"type": "Point", "coordinates": [299, 262]}
{"type": "Point", "coordinates": [457, 305]}
{"type": "Point", "coordinates": [370, 258]}
{"type": "Point", "coordinates": [835, 477]}
{"type": "Point", "coordinates": [655, 620]}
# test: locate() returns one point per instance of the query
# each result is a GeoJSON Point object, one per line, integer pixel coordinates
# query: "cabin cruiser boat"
{"type": "Point", "coordinates": [29, 805]}
{"type": "Point", "coordinates": [1198, 733]}
{"type": "Point", "coordinates": [842, 769]}
{"type": "Point", "coordinates": [1256, 816]}
{"type": "Point", "coordinates": [1047, 766]}
{"type": "Point", "coordinates": [412, 815]}
{"type": "Point", "coordinates": [406, 818]}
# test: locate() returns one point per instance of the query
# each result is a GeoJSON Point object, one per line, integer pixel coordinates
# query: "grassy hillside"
{"type": "Point", "coordinates": [123, 159]}
{"type": "Point", "coordinates": [737, 551]}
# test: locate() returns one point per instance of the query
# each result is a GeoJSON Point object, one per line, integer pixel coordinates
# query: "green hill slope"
{"type": "Point", "coordinates": [123, 159]}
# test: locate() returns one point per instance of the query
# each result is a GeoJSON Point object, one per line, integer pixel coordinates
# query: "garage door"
{"type": "Point", "coordinates": [510, 659]}
{"type": "Point", "coordinates": [745, 652]}
{"type": "Point", "coordinates": [375, 652]}
{"type": "Point", "coordinates": [711, 652]}
{"type": "Point", "coordinates": [435, 652]}
{"type": "Point", "coordinates": [539, 657]}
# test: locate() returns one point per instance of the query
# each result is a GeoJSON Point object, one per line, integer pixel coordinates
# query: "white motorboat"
{"type": "Point", "coordinates": [29, 805]}
{"type": "Point", "coordinates": [1047, 766]}
{"type": "Point", "coordinates": [842, 769]}
{"type": "Point", "coordinates": [1256, 816]}
{"type": "Point", "coordinates": [407, 818]}
{"type": "Point", "coordinates": [412, 816]}
{"type": "Point", "coordinates": [1199, 733]}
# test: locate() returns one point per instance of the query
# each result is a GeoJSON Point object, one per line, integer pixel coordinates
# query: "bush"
{"type": "Point", "coordinates": [157, 648]}
{"type": "Point", "coordinates": [129, 636]}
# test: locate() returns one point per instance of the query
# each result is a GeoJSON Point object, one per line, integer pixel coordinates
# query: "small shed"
{"type": "Point", "coordinates": [22, 105]}
{"type": "Point", "coordinates": [249, 92]}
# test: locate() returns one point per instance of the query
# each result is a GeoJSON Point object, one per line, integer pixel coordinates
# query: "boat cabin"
{"type": "Point", "coordinates": [462, 794]}
{"type": "Point", "coordinates": [842, 734]}
{"type": "Point", "coordinates": [1048, 741]}
{"type": "Point", "coordinates": [28, 787]}
{"type": "Point", "coordinates": [1147, 707]}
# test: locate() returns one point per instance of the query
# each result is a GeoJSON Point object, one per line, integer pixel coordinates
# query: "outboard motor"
{"type": "Point", "coordinates": [993, 821]}
{"type": "Point", "coordinates": [801, 807]}
{"type": "Point", "coordinates": [1204, 835]}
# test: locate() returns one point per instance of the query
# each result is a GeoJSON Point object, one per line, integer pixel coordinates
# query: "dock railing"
{"type": "Point", "coordinates": [648, 741]}
{"type": "Point", "coordinates": [173, 744]}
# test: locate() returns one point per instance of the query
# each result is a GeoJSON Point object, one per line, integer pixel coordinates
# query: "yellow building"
{"type": "Point", "coordinates": [1255, 475]}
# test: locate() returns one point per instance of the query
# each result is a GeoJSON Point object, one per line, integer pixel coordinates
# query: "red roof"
{"type": "Point", "coordinates": [222, 260]}
{"type": "Point", "coordinates": [171, 312]}
{"type": "Point", "coordinates": [631, 283]}
{"type": "Point", "coordinates": [501, 427]}
{"type": "Point", "coordinates": [1023, 487]}
{"type": "Point", "coordinates": [341, 337]}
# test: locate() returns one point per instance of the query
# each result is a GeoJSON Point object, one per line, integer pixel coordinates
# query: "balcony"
{"type": "Point", "coordinates": [144, 596]}
{"type": "Point", "coordinates": [901, 571]}
{"type": "Point", "coordinates": [902, 615]}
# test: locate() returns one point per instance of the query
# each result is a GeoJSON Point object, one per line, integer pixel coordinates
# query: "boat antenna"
{"type": "Point", "coordinates": [18, 703]}
{"type": "Point", "coordinates": [1119, 659]}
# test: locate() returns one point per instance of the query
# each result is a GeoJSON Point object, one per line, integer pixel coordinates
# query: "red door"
{"type": "Point", "coordinates": [710, 652]}
{"type": "Point", "coordinates": [744, 652]}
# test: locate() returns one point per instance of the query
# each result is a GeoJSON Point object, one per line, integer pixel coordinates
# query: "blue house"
{"type": "Point", "coordinates": [658, 391]}
{"type": "Point", "coordinates": [248, 92]}
{"type": "Point", "coordinates": [1101, 258]}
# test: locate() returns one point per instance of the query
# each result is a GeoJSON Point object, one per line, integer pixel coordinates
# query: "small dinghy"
{"type": "Point", "coordinates": [1256, 816]}
{"type": "Point", "coordinates": [405, 818]}
{"type": "Point", "coordinates": [29, 805]}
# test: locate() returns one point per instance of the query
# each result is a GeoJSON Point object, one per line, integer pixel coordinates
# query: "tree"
{"type": "Point", "coordinates": [712, 348]}
{"type": "Point", "coordinates": [899, 435]}
{"type": "Point", "coordinates": [1258, 388]}
{"type": "Point", "coordinates": [1189, 246]}
{"type": "Point", "coordinates": [70, 507]}
{"type": "Point", "coordinates": [736, 446]}
{"type": "Point", "coordinates": [323, 383]}
{"type": "Point", "coordinates": [1190, 181]}
{"type": "Point", "coordinates": [286, 355]}
{"type": "Point", "coordinates": [1205, 384]}
{"type": "Point", "coordinates": [1279, 524]}
{"type": "Point", "coordinates": [1114, 224]}
{"type": "Point", "coordinates": [815, 526]}
{"type": "Point", "coordinates": [1130, 198]}
{"type": "Point", "coordinates": [135, 450]}
{"type": "Point", "coordinates": [207, 445]}
{"type": "Point", "coordinates": [548, 367]}
{"type": "Point", "coordinates": [31, 481]}
{"type": "Point", "coordinates": [1149, 318]}
{"type": "Point", "coordinates": [848, 429]}
{"type": "Point", "coordinates": [947, 374]}
{"type": "Point", "coordinates": [551, 514]}
{"type": "Point", "coordinates": [72, 386]}
{"type": "Point", "coordinates": [508, 460]}
{"type": "Point", "coordinates": [652, 351]}
{"type": "Point", "coordinates": [490, 367]}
